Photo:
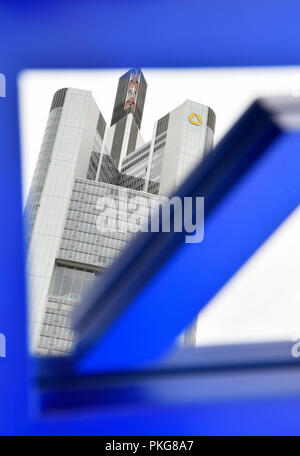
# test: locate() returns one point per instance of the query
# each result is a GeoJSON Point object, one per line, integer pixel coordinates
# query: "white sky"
{"type": "Point", "coordinates": [248, 308]}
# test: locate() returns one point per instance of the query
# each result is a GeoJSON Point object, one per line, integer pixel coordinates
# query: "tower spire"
{"type": "Point", "coordinates": [130, 97]}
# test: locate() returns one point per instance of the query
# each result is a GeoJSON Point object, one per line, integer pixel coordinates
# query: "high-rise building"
{"type": "Point", "coordinates": [124, 133]}
{"type": "Point", "coordinates": [82, 160]}
{"type": "Point", "coordinates": [130, 97]}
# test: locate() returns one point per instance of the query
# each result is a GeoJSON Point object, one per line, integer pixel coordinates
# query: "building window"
{"type": "Point", "coordinates": [70, 282]}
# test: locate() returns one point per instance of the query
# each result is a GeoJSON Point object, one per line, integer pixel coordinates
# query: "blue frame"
{"type": "Point", "coordinates": [50, 35]}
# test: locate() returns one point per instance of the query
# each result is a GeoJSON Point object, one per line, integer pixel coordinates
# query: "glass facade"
{"type": "Point", "coordinates": [155, 165]}
{"type": "Point", "coordinates": [86, 250]}
{"type": "Point", "coordinates": [70, 282]}
{"type": "Point", "coordinates": [41, 169]}
{"type": "Point", "coordinates": [83, 241]}
{"type": "Point", "coordinates": [56, 335]}
{"type": "Point", "coordinates": [93, 165]}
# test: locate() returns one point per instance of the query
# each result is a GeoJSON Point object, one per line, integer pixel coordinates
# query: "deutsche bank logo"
{"type": "Point", "coordinates": [2, 86]}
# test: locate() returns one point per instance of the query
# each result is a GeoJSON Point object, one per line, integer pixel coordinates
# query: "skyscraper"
{"type": "Point", "coordinates": [82, 160]}
{"type": "Point", "coordinates": [124, 133]}
{"type": "Point", "coordinates": [130, 97]}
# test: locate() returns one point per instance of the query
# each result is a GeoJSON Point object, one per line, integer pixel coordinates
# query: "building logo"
{"type": "Point", "coordinates": [195, 119]}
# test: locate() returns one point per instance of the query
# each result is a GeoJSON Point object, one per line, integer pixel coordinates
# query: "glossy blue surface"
{"type": "Point", "coordinates": [68, 34]}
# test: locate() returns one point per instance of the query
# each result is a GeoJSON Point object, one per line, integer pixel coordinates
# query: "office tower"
{"type": "Point", "coordinates": [180, 140]}
{"type": "Point", "coordinates": [74, 131]}
{"type": "Point", "coordinates": [130, 97]}
{"type": "Point", "coordinates": [77, 171]}
{"type": "Point", "coordinates": [123, 134]}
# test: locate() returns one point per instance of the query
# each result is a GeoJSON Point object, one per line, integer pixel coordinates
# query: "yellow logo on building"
{"type": "Point", "coordinates": [195, 119]}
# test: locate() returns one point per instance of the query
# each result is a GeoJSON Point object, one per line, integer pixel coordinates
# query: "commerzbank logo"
{"type": "Point", "coordinates": [195, 119]}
